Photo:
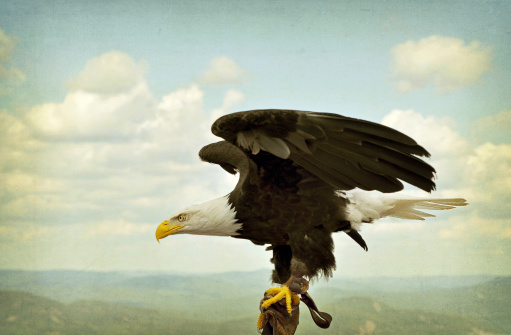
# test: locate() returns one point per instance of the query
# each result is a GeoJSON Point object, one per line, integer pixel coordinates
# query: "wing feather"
{"type": "Point", "coordinates": [329, 121]}
{"type": "Point", "coordinates": [275, 145]}
{"type": "Point", "coordinates": [355, 137]}
{"type": "Point", "coordinates": [342, 151]}
{"type": "Point", "coordinates": [323, 172]}
{"type": "Point", "coordinates": [371, 169]}
{"type": "Point", "coordinates": [357, 168]}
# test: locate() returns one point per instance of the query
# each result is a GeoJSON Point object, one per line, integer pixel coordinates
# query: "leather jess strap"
{"type": "Point", "coordinates": [321, 319]}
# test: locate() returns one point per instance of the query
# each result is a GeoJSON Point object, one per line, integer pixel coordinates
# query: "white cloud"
{"type": "Point", "coordinates": [112, 73]}
{"type": "Point", "coordinates": [9, 76]}
{"type": "Point", "coordinates": [447, 62]}
{"type": "Point", "coordinates": [180, 126]}
{"type": "Point", "coordinates": [436, 135]}
{"type": "Point", "coordinates": [500, 122]}
{"type": "Point", "coordinates": [109, 100]}
{"type": "Point", "coordinates": [123, 157]}
{"type": "Point", "coordinates": [224, 71]}
{"type": "Point", "coordinates": [488, 169]}
{"type": "Point", "coordinates": [17, 147]}
{"type": "Point", "coordinates": [88, 116]}
{"type": "Point", "coordinates": [493, 127]}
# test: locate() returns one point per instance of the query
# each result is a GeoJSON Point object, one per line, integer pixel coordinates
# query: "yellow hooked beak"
{"type": "Point", "coordinates": [165, 230]}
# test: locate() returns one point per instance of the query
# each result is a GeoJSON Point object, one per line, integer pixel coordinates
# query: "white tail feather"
{"type": "Point", "coordinates": [371, 206]}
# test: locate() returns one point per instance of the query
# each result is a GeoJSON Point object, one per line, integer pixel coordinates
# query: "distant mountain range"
{"type": "Point", "coordinates": [76, 302]}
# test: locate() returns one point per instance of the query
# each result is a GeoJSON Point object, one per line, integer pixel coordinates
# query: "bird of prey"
{"type": "Point", "coordinates": [295, 168]}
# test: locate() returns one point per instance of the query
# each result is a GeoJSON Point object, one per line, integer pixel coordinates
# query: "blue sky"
{"type": "Point", "coordinates": [104, 106]}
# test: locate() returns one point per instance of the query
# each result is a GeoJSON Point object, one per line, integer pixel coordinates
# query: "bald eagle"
{"type": "Point", "coordinates": [295, 168]}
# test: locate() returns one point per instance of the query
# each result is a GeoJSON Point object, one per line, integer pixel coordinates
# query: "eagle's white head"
{"type": "Point", "coordinates": [216, 217]}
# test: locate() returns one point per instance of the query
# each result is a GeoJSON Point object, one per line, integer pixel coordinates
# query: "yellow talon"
{"type": "Point", "coordinates": [260, 321]}
{"type": "Point", "coordinates": [278, 294]}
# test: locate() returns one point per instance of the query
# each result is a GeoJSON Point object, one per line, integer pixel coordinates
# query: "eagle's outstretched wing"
{"type": "Point", "coordinates": [342, 151]}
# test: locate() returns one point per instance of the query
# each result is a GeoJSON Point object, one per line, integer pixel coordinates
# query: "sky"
{"type": "Point", "coordinates": [104, 106]}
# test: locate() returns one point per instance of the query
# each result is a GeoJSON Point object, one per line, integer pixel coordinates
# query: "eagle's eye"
{"type": "Point", "coordinates": [181, 217]}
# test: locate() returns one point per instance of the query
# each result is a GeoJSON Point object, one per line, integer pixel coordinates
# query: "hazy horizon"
{"type": "Point", "coordinates": [228, 304]}
{"type": "Point", "coordinates": [255, 271]}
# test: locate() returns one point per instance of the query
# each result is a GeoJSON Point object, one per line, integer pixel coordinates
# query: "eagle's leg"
{"type": "Point", "coordinates": [290, 290]}
{"type": "Point", "coordinates": [287, 292]}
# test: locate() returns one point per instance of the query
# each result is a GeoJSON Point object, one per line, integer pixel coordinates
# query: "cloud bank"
{"type": "Point", "coordinates": [447, 63]}
{"type": "Point", "coordinates": [107, 153]}
{"type": "Point", "coordinates": [493, 127]}
{"type": "Point", "coordinates": [224, 71]}
{"type": "Point", "coordinates": [111, 73]}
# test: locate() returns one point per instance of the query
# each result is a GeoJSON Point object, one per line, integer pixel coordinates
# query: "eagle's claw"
{"type": "Point", "coordinates": [281, 293]}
